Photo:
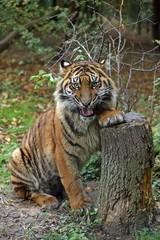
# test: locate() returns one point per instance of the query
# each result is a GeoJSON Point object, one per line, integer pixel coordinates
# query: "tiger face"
{"type": "Point", "coordinates": [84, 88]}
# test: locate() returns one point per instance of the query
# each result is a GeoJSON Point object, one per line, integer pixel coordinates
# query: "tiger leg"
{"type": "Point", "coordinates": [71, 181]}
{"type": "Point", "coordinates": [24, 182]}
{"type": "Point", "coordinates": [110, 117]}
{"type": "Point", "coordinates": [41, 199]}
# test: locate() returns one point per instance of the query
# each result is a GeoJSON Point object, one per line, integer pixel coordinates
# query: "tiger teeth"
{"type": "Point", "coordinates": [86, 112]}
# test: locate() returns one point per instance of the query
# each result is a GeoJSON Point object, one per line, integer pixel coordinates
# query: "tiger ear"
{"type": "Point", "coordinates": [102, 63]}
{"type": "Point", "coordinates": [65, 64]}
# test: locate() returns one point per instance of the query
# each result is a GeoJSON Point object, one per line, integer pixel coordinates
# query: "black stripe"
{"type": "Point", "coordinates": [71, 155]}
{"type": "Point", "coordinates": [17, 189]}
{"type": "Point", "coordinates": [64, 97]}
{"type": "Point", "coordinates": [28, 156]}
{"type": "Point", "coordinates": [90, 72]}
{"type": "Point", "coordinates": [106, 83]}
{"type": "Point", "coordinates": [22, 179]}
{"type": "Point", "coordinates": [27, 193]}
{"type": "Point", "coordinates": [42, 156]}
{"type": "Point", "coordinates": [63, 87]}
{"type": "Point", "coordinates": [110, 85]}
{"type": "Point", "coordinates": [77, 70]}
{"type": "Point", "coordinates": [21, 186]}
{"type": "Point", "coordinates": [35, 158]}
{"type": "Point", "coordinates": [23, 157]}
{"type": "Point", "coordinates": [17, 183]}
{"type": "Point", "coordinates": [14, 162]}
{"type": "Point", "coordinates": [73, 129]}
{"type": "Point", "coordinates": [69, 138]}
{"type": "Point", "coordinates": [72, 143]}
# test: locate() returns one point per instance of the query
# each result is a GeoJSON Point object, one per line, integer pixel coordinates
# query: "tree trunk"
{"type": "Point", "coordinates": [125, 200]}
{"type": "Point", "coordinates": [6, 42]}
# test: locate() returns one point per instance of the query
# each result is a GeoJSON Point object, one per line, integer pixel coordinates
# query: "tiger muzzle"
{"type": "Point", "coordinates": [86, 112]}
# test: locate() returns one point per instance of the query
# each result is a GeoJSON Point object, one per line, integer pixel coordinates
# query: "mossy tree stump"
{"type": "Point", "coordinates": [125, 199]}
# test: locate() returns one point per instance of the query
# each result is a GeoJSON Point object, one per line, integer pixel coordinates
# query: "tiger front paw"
{"type": "Point", "coordinates": [81, 201]}
{"type": "Point", "coordinates": [112, 120]}
{"type": "Point", "coordinates": [46, 201]}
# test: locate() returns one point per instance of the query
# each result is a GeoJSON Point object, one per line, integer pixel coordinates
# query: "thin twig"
{"type": "Point", "coordinates": [153, 98]}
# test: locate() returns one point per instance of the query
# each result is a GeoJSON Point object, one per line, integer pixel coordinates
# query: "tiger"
{"type": "Point", "coordinates": [46, 167]}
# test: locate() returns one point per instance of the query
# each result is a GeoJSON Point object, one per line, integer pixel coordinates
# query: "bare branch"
{"type": "Point", "coordinates": [153, 98]}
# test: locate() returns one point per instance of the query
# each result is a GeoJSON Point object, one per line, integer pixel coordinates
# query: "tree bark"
{"type": "Point", "coordinates": [6, 42]}
{"type": "Point", "coordinates": [125, 199]}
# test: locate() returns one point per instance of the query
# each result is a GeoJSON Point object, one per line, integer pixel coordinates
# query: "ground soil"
{"type": "Point", "coordinates": [24, 220]}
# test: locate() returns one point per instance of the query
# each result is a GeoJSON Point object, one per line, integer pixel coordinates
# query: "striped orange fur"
{"type": "Point", "coordinates": [46, 166]}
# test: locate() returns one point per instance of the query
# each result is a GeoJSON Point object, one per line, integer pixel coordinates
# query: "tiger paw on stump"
{"type": "Point", "coordinates": [110, 118]}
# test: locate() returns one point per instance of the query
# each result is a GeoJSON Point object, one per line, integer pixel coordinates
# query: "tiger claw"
{"type": "Point", "coordinates": [82, 201]}
{"type": "Point", "coordinates": [119, 118]}
{"type": "Point", "coordinates": [84, 213]}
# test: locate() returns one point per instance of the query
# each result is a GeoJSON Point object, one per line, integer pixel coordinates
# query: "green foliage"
{"type": "Point", "coordinates": [80, 55]}
{"type": "Point", "coordinates": [155, 98]}
{"type": "Point", "coordinates": [34, 21]}
{"type": "Point", "coordinates": [75, 226]}
{"type": "Point", "coordinates": [157, 86]}
{"type": "Point", "coordinates": [157, 41]}
{"type": "Point", "coordinates": [156, 138]}
{"type": "Point", "coordinates": [17, 117]}
{"type": "Point", "coordinates": [42, 77]}
{"type": "Point", "coordinates": [156, 189]}
{"type": "Point", "coordinates": [5, 152]}
{"type": "Point", "coordinates": [156, 108]}
{"type": "Point", "coordinates": [156, 179]}
{"type": "Point", "coordinates": [92, 169]}
{"type": "Point", "coordinates": [20, 16]}
{"type": "Point", "coordinates": [146, 234]}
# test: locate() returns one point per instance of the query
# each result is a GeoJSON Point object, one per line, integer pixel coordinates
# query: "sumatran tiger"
{"type": "Point", "coordinates": [46, 166]}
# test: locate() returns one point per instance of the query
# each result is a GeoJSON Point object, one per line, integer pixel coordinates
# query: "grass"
{"type": "Point", "coordinates": [146, 234]}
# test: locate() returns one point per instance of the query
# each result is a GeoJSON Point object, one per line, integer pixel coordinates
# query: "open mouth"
{"type": "Point", "coordinates": [86, 112]}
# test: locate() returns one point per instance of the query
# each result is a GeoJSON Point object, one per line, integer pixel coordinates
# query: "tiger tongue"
{"type": "Point", "coordinates": [86, 112]}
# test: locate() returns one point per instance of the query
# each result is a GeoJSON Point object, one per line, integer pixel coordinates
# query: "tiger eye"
{"type": "Point", "coordinates": [75, 85]}
{"type": "Point", "coordinates": [94, 84]}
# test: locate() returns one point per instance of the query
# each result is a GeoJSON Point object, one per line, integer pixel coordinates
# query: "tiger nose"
{"type": "Point", "coordinates": [86, 103]}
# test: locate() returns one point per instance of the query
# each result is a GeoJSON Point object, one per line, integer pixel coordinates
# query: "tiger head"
{"type": "Point", "coordinates": [85, 88]}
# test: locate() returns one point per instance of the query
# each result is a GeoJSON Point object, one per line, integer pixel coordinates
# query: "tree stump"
{"type": "Point", "coordinates": [125, 199]}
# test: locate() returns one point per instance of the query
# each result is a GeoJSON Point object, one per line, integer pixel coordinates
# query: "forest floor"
{"type": "Point", "coordinates": [24, 220]}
